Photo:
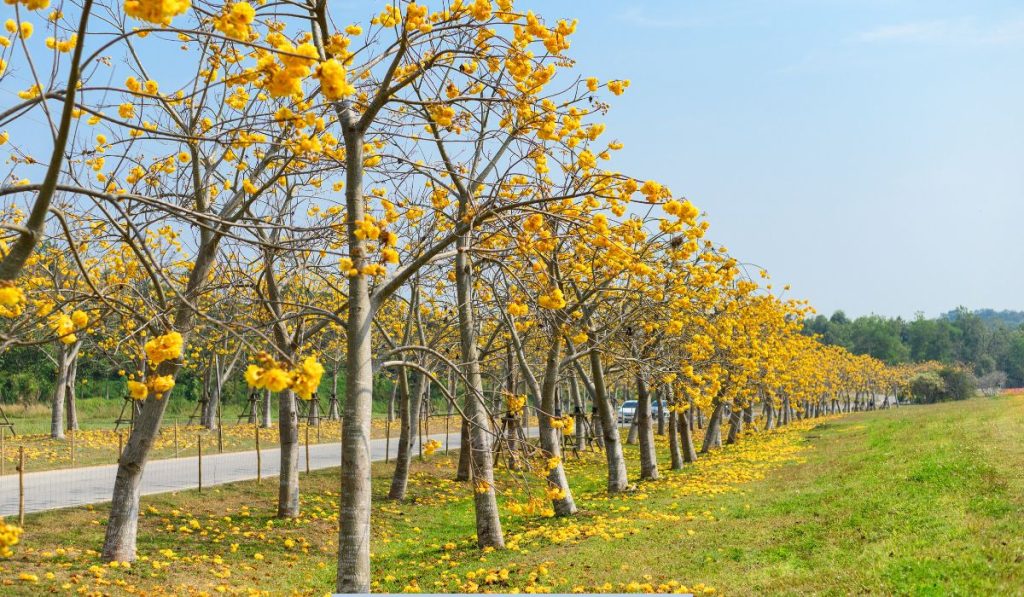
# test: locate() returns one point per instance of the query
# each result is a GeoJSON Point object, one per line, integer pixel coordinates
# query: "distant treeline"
{"type": "Point", "coordinates": [987, 341]}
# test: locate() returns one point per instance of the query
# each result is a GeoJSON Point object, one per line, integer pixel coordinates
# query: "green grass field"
{"type": "Point", "coordinates": [922, 500]}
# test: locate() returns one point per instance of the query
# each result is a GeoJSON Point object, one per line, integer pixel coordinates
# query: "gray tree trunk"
{"type": "Point", "coordinates": [735, 425]}
{"type": "Point", "coordinates": [488, 524]}
{"type": "Point", "coordinates": [648, 453]}
{"type": "Point", "coordinates": [465, 470]}
{"type": "Point", "coordinates": [70, 396]}
{"type": "Point", "coordinates": [673, 442]}
{"type": "Point", "coordinates": [409, 409]}
{"type": "Point", "coordinates": [686, 441]}
{"type": "Point", "coordinates": [60, 388]}
{"type": "Point", "coordinates": [354, 517]}
{"type": "Point", "coordinates": [713, 435]}
{"type": "Point", "coordinates": [267, 417]}
{"type": "Point", "coordinates": [618, 478]}
{"type": "Point", "coordinates": [288, 434]}
{"type": "Point", "coordinates": [549, 436]}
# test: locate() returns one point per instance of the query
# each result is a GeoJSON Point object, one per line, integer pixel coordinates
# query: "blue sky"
{"type": "Point", "coordinates": [869, 152]}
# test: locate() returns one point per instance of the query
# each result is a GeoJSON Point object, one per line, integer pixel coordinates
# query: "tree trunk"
{"type": "Point", "coordinates": [618, 478]}
{"type": "Point", "coordinates": [488, 524]}
{"type": "Point", "coordinates": [686, 441]}
{"type": "Point", "coordinates": [735, 425]}
{"type": "Point", "coordinates": [267, 416]}
{"type": "Point", "coordinates": [579, 411]}
{"type": "Point", "coordinates": [333, 414]}
{"type": "Point", "coordinates": [769, 415]}
{"type": "Point", "coordinates": [634, 430]}
{"type": "Point", "coordinates": [60, 388]}
{"type": "Point", "coordinates": [288, 432]}
{"type": "Point", "coordinates": [70, 396]}
{"type": "Point", "coordinates": [648, 454]}
{"type": "Point", "coordinates": [409, 408]}
{"type": "Point", "coordinates": [713, 435]}
{"type": "Point", "coordinates": [661, 413]}
{"type": "Point", "coordinates": [673, 441]}
{"type": "Point", "coordinates": [465, 471]}
{"type": "Point", "coordinates": [563, 504]}
{"type": "Point", "coordinates": [354, 517]}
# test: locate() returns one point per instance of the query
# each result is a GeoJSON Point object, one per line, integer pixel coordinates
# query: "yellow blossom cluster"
{"type": "Point", "coordinates": [276, 377]}
{"type": "Point", "coordinates": [65, 326]}
{"type": "Point", "coordinates": [164, 348]}
{"type": "Point", "coordinates": [9, 537]}
{"type": "Point", "coordinates": [12, 300]}
{"type": "Point", "coordinates": [156, 11]}
{"type": "Point", "coordinates": [236, 20]}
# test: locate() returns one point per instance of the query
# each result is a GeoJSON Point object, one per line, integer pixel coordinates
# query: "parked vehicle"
{"type": "Point", "coordinates": [628, 410]}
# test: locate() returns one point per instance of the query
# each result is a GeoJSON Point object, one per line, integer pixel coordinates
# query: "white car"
{"type": "Point", "coordinates": [628, 410]}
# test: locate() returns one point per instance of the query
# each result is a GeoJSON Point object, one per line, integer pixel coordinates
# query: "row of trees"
{"type": "Point", "coordinates": [423, 196]}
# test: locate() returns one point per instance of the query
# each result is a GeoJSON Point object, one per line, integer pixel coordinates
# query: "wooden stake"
{"type": "Point", "coordinates": [387, 440]}
{"type": "Point", "coordinates": [175, 437]}
{"type": "Point", "coordinates": [21, 486]}
{"type": "Point", "coordinates": [447, 421]}
{"type": "Point", "coordinates": [199, 448]}
{"type": "Point", "coordinates": [307, 449]}
{"type": "Point", "coordinates": [120, 444]}
{"type": "Point", "coordinates": [259, 457]}
{"type": "Point", "coordinates": [73, 434]}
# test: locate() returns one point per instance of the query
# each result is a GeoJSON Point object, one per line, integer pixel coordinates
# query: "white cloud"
{"type": "Point", "coordinates": [957, 31]}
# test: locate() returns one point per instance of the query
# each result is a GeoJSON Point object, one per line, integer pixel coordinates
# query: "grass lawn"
{"type": "Point", "coordinates": [916, 500]}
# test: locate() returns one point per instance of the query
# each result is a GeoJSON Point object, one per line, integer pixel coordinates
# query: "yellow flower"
{"type": "Point", "coordinates": [164, 348]}
{"type": "Point", "coordinates": [161, 384]}
{"type": "Point", "coordinates": [137, 390]}
{"type": "Point", "coordinates": [80, 319]}
{"type": "Point", "coordinates": [333, 80]}
{"type": "Point", "coordinates": [275, 379]}
{"type": "Point", "coordinates": [553, 300]}
{"type": "Point", "coordinates": [12, 301]}
{"type": "Point", "coordinates": [156, 11]}
{"type": "Point", "coordinates": [431, 446]}
{"type": "Point", "coordinates": [9, 537]}
{"type": "Point", "coordinates": [236, 21]}
{"type": "Point", "coordinates": [306, 377]}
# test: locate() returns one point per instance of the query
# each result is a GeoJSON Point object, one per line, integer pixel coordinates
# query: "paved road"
{"type": "Point", "coordinates": [51, 490]}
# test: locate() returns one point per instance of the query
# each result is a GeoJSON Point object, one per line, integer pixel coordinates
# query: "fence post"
{"type": "Point", "coordinates": [199, 448]}
{"type": "Point", "coordinates": [307, 449]}
{"type": "Point", "coordinates": [21, 486]}
{"type": "Point", "coordinates": [259, 458]}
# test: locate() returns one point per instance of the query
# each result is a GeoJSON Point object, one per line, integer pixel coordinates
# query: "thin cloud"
{"type": "Point", "coordinates": [946, 31]}
{"type": "Point", "coordinates": [639, 18]}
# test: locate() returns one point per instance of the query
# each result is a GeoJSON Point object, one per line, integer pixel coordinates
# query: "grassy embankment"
{"type": "Point", "coordinates": [916, 500]}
